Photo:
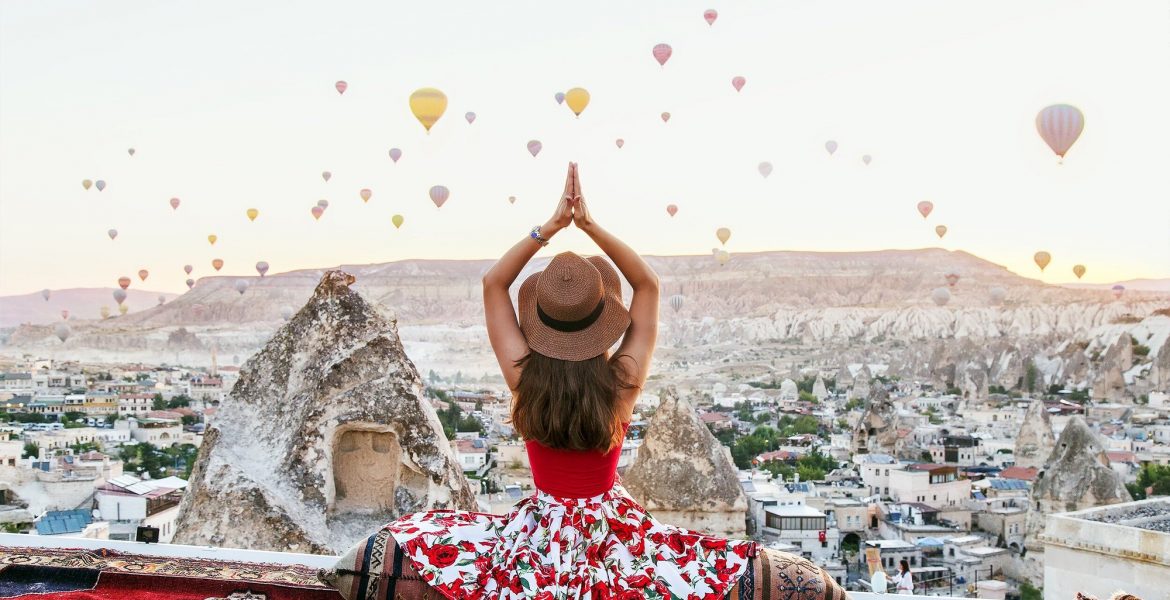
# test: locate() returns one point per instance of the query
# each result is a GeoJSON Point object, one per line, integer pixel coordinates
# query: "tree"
{"type": "Point", "coordinates": [179, 401]}
{"type": "Point", "coordinates": [808, 397]}
{"type": "Point", "coordinates": [1030, 377]}
{"type": "Point", "coordinates": [111, 419]}
{"type": "Point", "coordinates": [159, 403]}
{"type": "Point", "coordinates": [1153, 477]}
{"type": "Point", "coordinates": [31, 450]}
{"type": "Point", "coordinates": [1030, 592]}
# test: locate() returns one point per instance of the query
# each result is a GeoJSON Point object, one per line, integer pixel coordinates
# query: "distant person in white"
{"type": "Point", "coordinates": [903, 581]}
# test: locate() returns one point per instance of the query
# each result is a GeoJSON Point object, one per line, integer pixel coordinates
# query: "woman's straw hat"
{"type": "Point", "coordinates": [572, 310]}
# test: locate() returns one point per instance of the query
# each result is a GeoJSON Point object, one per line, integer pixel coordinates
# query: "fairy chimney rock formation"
{"type": "Point", "coordinates": [1076, 476]}
{"type": "Point", "coordinates": [684, 476]}
{"type": "Point", "coordinates": [326, 436]}
{"type": "Point", "coordinates": [877, 430]}
{"type": "Point", "coordinates": [1035, 441]}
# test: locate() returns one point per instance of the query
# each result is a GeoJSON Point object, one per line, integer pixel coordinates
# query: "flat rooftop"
{"type": "Point", "coordinates": [1155, 517]}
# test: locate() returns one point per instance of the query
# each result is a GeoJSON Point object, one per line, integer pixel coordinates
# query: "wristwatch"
{"type": "Point", "coordinates": [536, 237]}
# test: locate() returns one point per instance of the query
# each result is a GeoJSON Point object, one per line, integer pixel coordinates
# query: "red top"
{"type": "Point", "coordinates": [573, 473]}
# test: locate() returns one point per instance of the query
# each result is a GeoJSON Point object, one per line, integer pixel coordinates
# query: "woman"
{"type": "Point", "coordinates": [903, 580]}
{"type": "Point", "coordinates": [580, 534]}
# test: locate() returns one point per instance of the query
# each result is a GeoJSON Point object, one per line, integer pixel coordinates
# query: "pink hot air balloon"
{"type": "Point", "coordinates": [470, 116]}
{"type": "Point", "coordinates": [671, 209]}
{"type": "Point", "coordinates": [365, 194]}
{"type": "Point", "coordinates": [341, 86]}
{"type": "Point", "coordinates": [64, 315]}
{"type": "Point", "coordinates": [317, 212]}
{"type": "Point", "coordinates": [737, 82]}
{"type": "Point", "coordinates": [439, 194]}
{"type": "Point", "coordinates": [143, 274]}
{"type": "Point", "coordinates": [1060, 125]}
{"type": "Point", "coordinates": [710, 15]}
{"type": "Point", "coordinates": [662, 53]}
{"type": "Point", "coordinates": [123, 282]}
{"type": "Point", "coordinates": [326, 175]}
{"type": "Point", "coordinates": [534, 147]}
{"type": "Point", "coordinates": [188, 268]}
{"type": "Point", "coordinates": [113, 233]}
{"type": "Point", "coordinates": [925, 207]}
{"type": "Point", "coordinates": [952, 279]}
{"type": "Point", "coordinates": [261, 268]}
{"type": "Point", "coordinates": [395, 154]}
{"type": "Point", "coordinates": [190, 283]}
{"type": "Point", "coordinates": [665, 117]}
{"type": "Point", "coordinates": [175, 202]}
{"type": "Point", "coordinates": [620, 142]}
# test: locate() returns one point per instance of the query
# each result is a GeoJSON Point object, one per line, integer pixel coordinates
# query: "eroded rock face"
{"type": "Point", "coordinates": [1076, 476]}
{"type": "Point", "coordinates": [325, 436]}
{"type": "Point", "coordinates": [877, 430]}
{"type": "Point", "coordinates": [1035, 441]}
{"type": "Point", "coordinates": [684, 476]}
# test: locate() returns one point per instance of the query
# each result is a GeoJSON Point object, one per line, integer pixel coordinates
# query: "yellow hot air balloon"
{"type": "Point", "coordinates": [397, 220]}
{"type": "Point", "coordinates": [1079, 271]}
{"type": "Point", "coordinates": [577, 99]}
{"type": "Point", "coordinates": [1042, 259]}
{"type": "Point", "coordinates": [723, 234]}
{"type": "Point", "coordinates": [252, 214]}
{"type": "Point", "coordinates": [211, 239]}
{"type": "Point", "coordinates": [85, 183]}
{"type": "Point", "coordinates": [105, 312]}
{"type": "Point", "coordinates": [123, 308]}
{"type": "Point", "coordinates": [428, 104]}
{"type": "Point", "coordinates": [940, 231]}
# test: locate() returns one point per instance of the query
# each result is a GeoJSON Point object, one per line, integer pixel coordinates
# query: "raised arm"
{"type": "Point", "coordinates": [503, 330]}
{"type": "Point", "coordinates": [638, 343]}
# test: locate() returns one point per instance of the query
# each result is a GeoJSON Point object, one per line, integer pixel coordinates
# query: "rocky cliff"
{"type": "Point", "coordinates": [325, 436]}
{"type": "Point", "coordinates": [684, 476]}
{"type": "Point", "coordinates": [1035, 441]}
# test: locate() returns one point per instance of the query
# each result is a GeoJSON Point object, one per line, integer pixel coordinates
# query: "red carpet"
{"type": "Point", "coordinates": [123, 586]}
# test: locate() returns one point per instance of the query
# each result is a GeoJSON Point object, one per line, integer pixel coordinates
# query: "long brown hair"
{"type": "Point", "coordinates": [568, 404]}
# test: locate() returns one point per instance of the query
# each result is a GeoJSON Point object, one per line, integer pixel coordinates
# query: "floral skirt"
{"type": "Point", "coordinates": [605, 547]}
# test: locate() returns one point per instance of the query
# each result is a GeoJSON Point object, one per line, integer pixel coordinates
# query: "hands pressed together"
{"type": "Point", "coordinates": [572, 208]}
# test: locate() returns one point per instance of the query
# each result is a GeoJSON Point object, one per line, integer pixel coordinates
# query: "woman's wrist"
{"type": "Point", "coordinates": [548, 229]}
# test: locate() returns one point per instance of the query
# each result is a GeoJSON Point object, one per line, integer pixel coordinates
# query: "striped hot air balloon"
{"type": "Point", "coordinates": [428, 104]}
{"type": "Point", "coordinates": [1060, 125]}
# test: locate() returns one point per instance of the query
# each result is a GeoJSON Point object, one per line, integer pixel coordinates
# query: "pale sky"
{"type": "Point", "coordinates": [230, 105]}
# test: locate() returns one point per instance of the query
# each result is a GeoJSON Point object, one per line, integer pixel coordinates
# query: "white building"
{"type": "Point", "coordinates": [127, 502]}
{"type": "Point", "coordinates": [875, 472]}
{"type": "Point", "coordinates": [935, 485]}
{"type": "Point", "coordinates": [804, 527]}
{"type": "Point", "coordinates": [160, 433]}
{"type": "Point", "coordinates": [471, 454]}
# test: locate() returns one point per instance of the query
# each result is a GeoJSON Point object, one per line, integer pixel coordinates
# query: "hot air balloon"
{"type": "Point", "coordinates": [439, 195]}
{"type": "Point", "coordinates": [113, 233]}
{"type": "Point", "coordinates": [211, 239]}
{"type": "Point", "coordinates": [671, 209]}
{"type": "Point", "coordinates": [326, 175]}
{"type": "Point", "coordinates": [341, 86]}
{"type": "Point", "coordinates": [534, 147]}
{"type": "Point", "coordinates": [925, 207]}
{"type": "Point", "coordinates": [286, 312]}
{"type": "Point", "coordinates": [162, 299]}
{"type": "Point", "coordinates": [317, 211]}
{"type": "Point", "coordinates": [952, 279]}
{"type": "Point", "coordinates": [676, 302]}
{"type": "Point", "coordinates": [65, 315]}
{"type": "Point", "coordinates": [470, 116]}
{"type": "Point", "coordinates": [1118, 290]}
{"type": "Point", "coordinates": [710, 15]}
{"type": "Point", "coordinates": [252, 214]}
{"type": "Point", "coordinates": [397, 220]}
{"type": "Point", "coordinates": [217, 263]}
{"type": "Point", "coordinates": [723, 234]}
{"type": "Point", "coordinates": [998, 295]}
{"type": "Point", "coordinates": [105, 312]}
{"type": "Point", "coordinates": [120, 296]}
{"type": "Point", "coordinates": [1079, 271]}
{"type": "Point", "coordinates": [559, 97]}
{"type": "Point", "coordinates": [940, 296]}
{"type": "Point", "coordinates": [62, 332]}
{"type": "Point", "coordinates": [665, 117]}
{"type": "Point", "coordinates": [765, 169]}
{"type": "Point", "coordinates": [85, 183]}
{"type": "Point", "coordinates": [188, 268]}
{"type": "Point", "coordinates": [241, 286]}
{"type": "Point", "coordinates": [723, 257]}
{"type": "Point", "coordinates": [365, 193]}
{"type": "Point", "coordinates": [428, 104]}
{"type": "Point", "coordinates": [45, 294]}
{"type": "Point", "coordinates": [130, 151]}
{"type": "Point", "coordinates": [831, 147]}
{"type": "Point", "coordinates": [262, 268]}
{"type": "Point", "coordinates": [323, 203]}
{"type": "Point", "coordinates": [1060, 125]}
{"type": "Point", "coordinates": [123, 309]}
{"type": "Point", "coordinates": [737, 82]}
{"type": "Point", "coordinates": [662, 53]}
{"type": "Point", "coordinates": [395, 154]}
{"type": "Point", "coordinates": [1042, 259]}
{"type": "Point", "coordinates": [175, 203]}
{"type": "Point", "coordinates": [866, 158]}
{"type": "Point", "coordinates": [190, 283]}
{"type": "Point", "coordinates": [620, 142]}
{"type": "Point", "coordinates": [143, 274]}
{"type": "Point", "coordinates": [123, 282]}
{"type": "Point", "coordinates": [511, 199]}
{"type": "Point", "coordinates": [100, 185]}
{"type": "Point", "coordinates": [578, 99]}
{"type": "Point", "coordinates": [941, 230]}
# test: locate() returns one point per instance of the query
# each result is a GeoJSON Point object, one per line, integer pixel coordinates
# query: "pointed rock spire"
{"type": "Point", "coordinates": [1035, 440]}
